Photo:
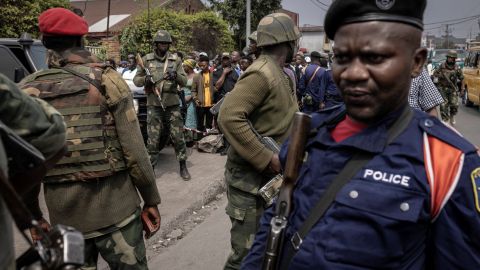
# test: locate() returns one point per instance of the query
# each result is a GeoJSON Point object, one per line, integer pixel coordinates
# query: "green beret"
{"type": "Point", "coordinates": [343, 12]}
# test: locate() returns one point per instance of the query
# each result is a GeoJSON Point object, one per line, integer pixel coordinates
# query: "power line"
{"type": "Point", "coordinates": [466, 20]}
{"type": "Point", "coordinates": [320, 2]}
{"type": "Point", "coordinates": [317, 5]}
{"type": "Point", "coordinates": [453, 20]}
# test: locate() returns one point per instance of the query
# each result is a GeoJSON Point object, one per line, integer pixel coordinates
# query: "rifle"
{"type": "Point", "coordinates": [63, 247]}
{"type": "Point", "coordinates": [156, 90]}
{"type": "Point", "coordinates": [298, 139]}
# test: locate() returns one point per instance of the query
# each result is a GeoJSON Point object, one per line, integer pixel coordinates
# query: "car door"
{"type": "Point", "coordinates": [11, 66]}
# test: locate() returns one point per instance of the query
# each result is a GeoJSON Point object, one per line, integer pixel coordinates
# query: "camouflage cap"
{"type": "Point", "coordinates": [452, 53]}
{"type": "Point", "coordinates": [276, 28]}
{"type": "Point", "coordinates": [162, 36]}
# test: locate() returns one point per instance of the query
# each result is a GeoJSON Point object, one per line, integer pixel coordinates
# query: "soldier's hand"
{"type": "Point", "coordinates": [148, 81]}
{"type": "Point", "coordinates": [44, 225]}
{"type": "Point", "coordinates": [274, 166]}
{"type": "Point", "coordinates": [321, 106]}
{"type": "Point", "coordinates": [198, 103]}
{"type": "Point", "coordinates": [153, 215]}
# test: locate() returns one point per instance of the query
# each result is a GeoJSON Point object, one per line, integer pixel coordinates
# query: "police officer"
{"type": "Point", "coordinates": [311, 85]}
{"type": "Point", "coordinates": [447, 78]}
{"type": "Point", "coordinates": [163, 103]}
{"type": "Point", "coordinates": [37, 123]}
{"type": "Point", "coordinates": [94, 186]}
{"type": "Point", "coordinates": [414, 202]}
{"type": "Point", "coordinates": [264, 97]}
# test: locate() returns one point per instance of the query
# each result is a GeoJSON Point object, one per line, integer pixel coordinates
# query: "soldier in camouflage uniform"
{"type": "Point", "coordinates": [447, 78]}
{"type": "Point", "coordinates": [37, 123]}
{"type": "Point", "coordinates": [264, 97]}
{"type": "Point", "coordinates": [94, 186]}
{"type": "Point", "coordinates": [163, 104]}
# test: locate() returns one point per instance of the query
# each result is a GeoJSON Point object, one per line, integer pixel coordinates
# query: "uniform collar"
{"type": "Point", "coordinates": [70, 56]}
{"type": "Point", "coordinates": [160, 58]}
{"type": "Point", "coordinates": [372, 139]}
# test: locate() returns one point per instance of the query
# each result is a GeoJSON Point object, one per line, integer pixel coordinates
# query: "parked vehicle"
{"type": "Point", "coordinates": [21, 57]}
{"type": "Point", "coordinates": [471, 72]}
{"type": "Point", "coordinates": [440, 55]}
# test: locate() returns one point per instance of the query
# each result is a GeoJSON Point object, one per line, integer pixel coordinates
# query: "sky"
{"type": "Point", "coordinates": [312, 12]}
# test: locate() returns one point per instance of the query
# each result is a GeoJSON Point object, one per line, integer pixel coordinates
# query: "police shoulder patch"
{"type": "Point", "coordinates": [476, 187]}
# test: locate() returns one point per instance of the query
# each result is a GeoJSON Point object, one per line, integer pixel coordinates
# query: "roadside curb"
{"type": "Point", "coordinates": [216, 187]}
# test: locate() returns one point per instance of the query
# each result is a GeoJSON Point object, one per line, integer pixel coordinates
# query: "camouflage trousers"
{"type": "Point", "coordinates": [245, 210]}
{"type": "Point", "coordinates": [171, 118]}
{"type": "Point", "coordinates": [449, 108]}
{"type": "Point", "coordinates": [123, 249]}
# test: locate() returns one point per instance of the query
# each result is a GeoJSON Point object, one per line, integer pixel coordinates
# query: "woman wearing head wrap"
{"type": "Point", "coordinates": [191, 117]}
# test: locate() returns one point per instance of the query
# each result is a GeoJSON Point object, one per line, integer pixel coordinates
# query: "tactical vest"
{"type": "Point", "coordinates": [447, 78]}
{"type": "Point", "coordinates": [168, 88]}
{"type": "Point", "coordinates": [94, 150]}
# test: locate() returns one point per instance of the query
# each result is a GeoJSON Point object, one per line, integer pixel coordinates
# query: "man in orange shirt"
{"type": "Point", "coordinates": [202, 92]}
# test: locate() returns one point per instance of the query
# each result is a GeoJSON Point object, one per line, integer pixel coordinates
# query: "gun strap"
{"type": "Point", "coordinates": [88, 79]}
{"type": "Point", "coordinates": [160, 89]}
{"type": "Point", "coordinates": [358, 160]}
{"type": "Point", "coordinates": [455, 88]}
{"type": "Point", "coordinates": [313, 76]}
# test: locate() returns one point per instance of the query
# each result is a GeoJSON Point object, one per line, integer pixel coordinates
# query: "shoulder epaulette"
{"type": "Point", "coordinates": [434, 127]}
{"type": "Point", "coordinates": [149, 56]}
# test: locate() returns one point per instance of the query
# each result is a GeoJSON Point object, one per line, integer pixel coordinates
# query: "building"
{"type": "Point", "coordinates": [295, 16]}
{"type": "Point", "coordinates": [122, 11]}
{"type": "Point", "coordinates": [105, 24]}
{"type": "Point", "coordinates": [314, 39]}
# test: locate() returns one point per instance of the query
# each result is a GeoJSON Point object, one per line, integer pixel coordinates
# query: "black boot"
{"type": "Point", "coordinates": [184, 171]}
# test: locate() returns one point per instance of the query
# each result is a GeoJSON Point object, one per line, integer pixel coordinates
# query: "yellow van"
{"type": "Point", "coordinates": [471, 72]}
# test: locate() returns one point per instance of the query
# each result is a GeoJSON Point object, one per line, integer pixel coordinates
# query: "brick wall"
{"type": "Point", "coordinates": [113, 48]}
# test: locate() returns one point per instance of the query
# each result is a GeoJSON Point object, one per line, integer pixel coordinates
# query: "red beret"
{"type": "Point", "coordinates": [61, 22]}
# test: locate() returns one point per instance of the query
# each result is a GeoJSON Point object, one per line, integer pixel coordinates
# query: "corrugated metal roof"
{"type": "Point", "coordinates": [101, 26]}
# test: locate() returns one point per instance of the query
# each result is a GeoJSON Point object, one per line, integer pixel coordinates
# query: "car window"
{"type": "Point", "coordinates": [10, 63]}
{"type": "Point", "coordinates": [39, 56]}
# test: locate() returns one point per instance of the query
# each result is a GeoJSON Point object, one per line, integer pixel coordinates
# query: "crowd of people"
{"type": "Point", "coordinates": [381, 185]}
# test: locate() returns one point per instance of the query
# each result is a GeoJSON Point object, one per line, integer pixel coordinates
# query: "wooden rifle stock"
{"type": "Point", "coordinates": [296, 148]}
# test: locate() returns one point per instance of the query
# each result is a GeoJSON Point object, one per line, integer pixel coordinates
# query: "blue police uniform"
{"type": "Point", "coordinates": [311, 84]}
{"type": "Point", "coordinates": [382, 218]}
{"type": "Point", "coordinates": [332, 95]}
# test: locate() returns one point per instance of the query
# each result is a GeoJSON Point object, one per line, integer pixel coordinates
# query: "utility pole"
{"type": "Point", "coordinates": [249, 7]}
{"type": "Point", "coordinates": [108, 18]}
{"type": "Point", "coordinates": [446, 36]}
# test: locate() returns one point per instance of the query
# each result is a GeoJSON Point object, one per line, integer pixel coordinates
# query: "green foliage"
{"type": "Point", "coordinates": [234, 12]}
{"type": "Point", "coordinates": [203, 31]}
{"type": "Point", "coordinates": [18, 16]}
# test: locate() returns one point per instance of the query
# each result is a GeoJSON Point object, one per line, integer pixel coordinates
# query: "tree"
{"type": "Point", "coordinates": [18, 16]}
{"type": "Point", "coordinates": [203, 31]}
{"type": "Point", "coordinates": [234, 12]}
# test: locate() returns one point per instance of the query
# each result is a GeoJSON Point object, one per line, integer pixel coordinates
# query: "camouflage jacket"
{"type": "Point", "coordinates": [118, 101]}
{"type": "Point", "coordinates": [168, 88]}
{"type": "Point", "coordinates": [39, 124]}
{"type": "Point", "coordinates": [446, 78]}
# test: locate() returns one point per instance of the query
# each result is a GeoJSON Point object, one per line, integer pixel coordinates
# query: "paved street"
{"type": "Point", "coordinates": [468, 123]}
{"type": "Point", "coordinates": [205, 248]}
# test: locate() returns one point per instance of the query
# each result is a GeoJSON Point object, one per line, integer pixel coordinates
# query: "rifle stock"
{"type": "Point", "coordinates": [298, 139]}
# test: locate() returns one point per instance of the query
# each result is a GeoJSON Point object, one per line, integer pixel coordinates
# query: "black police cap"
{"type": "Point", "coordinates": [343, 12]}
{"type": "Point", "coordinates": [315, 54]}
